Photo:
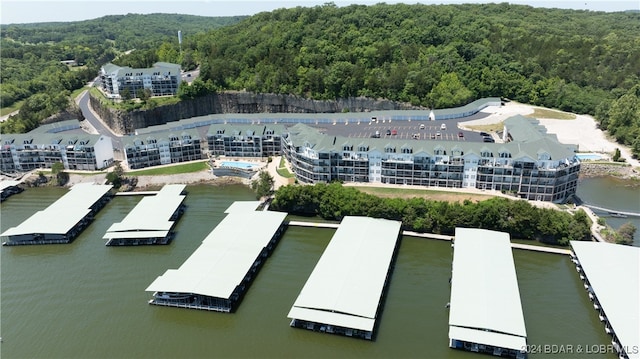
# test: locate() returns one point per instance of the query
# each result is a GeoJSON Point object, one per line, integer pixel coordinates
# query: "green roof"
{"type": "Point", "coordinates": [302, 134]}
{"type": "Point", "coordinates": [232, 128]}
{"type": "Point", "coordinates": [159, 136]}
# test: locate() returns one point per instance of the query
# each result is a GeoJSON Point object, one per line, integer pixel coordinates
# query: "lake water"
{"type": "Point", "coordinates": [615, 194]}
{"type": "Point", "coordinates": [85, 300]}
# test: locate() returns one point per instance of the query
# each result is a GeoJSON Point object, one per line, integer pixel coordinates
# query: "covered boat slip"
{"type": "Point", "coordinates": [485, 312]}
{"type": "Point", "coordinates": [9, 188]}
{"type": "Point", "coordinates": [151, 221]}
{"type": "Point", "coordinates": [64, 219]}
{"type": "Point", "coordinates": [218, 273]}
{"type": "Point", "coordinates": [611, 273]}
{"type": "Point", "coordinates": [345, 289]}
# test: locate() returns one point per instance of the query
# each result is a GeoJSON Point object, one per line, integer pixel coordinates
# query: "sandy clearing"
{"type": "Point", "coordinates": [582, 131]}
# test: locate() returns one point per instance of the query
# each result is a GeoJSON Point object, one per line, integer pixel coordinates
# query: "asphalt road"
{"type": "Point", "coordinates": [102, 129]}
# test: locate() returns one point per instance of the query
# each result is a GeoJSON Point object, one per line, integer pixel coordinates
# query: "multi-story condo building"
{"type": "Point", "coordinates": [245, 140]}
{"type": "Point", "coordinates": [530, 164]}
{"type": "Point", "coordinates": [28, 151]}
{"type": "Point", "coordinates": [160, 148]}
{"type": "Point", "coordinates": [162, 79]}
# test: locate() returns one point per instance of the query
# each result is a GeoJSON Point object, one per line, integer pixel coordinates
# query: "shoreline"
{"type": "Point", "coordinates": [618, 171]}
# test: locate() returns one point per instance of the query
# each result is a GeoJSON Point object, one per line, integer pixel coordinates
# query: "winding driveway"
{"type": "Point", "coordinates": [96, 121]}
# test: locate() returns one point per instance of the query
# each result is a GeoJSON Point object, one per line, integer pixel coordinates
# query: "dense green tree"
{"type": "Point", "coordinates": [626, 233]}
{"type": "Point", "coordinates": [519, 218]}
{"type": "Point", "coordinates": [116, 176]}
{"type": "Point", "coordinates": [31, 55]}
{"type": "Point", "coordinates": [429, 55]}
{"type": "Point", "coordinates": [623, 118]}
{"type": "Point", "coordinates": [263, 185]}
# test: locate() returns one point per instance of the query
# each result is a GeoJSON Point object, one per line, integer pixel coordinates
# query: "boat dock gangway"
{"type": "Point", "coordinates": [613, 212]}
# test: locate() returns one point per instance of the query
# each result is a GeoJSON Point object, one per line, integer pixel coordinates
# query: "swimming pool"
{"type": "Point", "coordinates": [238, 164]}
{"type": "Point", "coordinates": [589, 156]}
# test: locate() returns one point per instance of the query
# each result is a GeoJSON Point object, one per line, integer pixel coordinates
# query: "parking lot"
{"type": "Point", "coordinates": [406, 130]}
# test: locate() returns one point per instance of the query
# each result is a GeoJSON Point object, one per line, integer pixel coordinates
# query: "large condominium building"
{"type": "Point", "coordinates": [244, 140]}
{"type": "Point", "coordinates": [531, 164]}
{"type": "Point", "coordinates": [160, 148]}
{"type": "Point", "coordinates": [162, 79]}
{"type": "Point", "coordinates": [45, 146]}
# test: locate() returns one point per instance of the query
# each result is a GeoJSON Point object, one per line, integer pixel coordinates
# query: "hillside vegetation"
{"type": "Point", "coordinates": [31, 55]}
{"type": "Point", "coordinates": [430, 55]}
{"type": "Point", "coordinates": [518, 218]}
{"type": "Point", "coordinates": [438, 56]}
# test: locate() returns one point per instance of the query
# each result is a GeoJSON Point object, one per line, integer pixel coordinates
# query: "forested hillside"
{"type": "Point", "coordinates": [429, 55]}
{"type": "Point", "coordinates": [31, 55]}
{"type": "Point", "coordinates": [438, 56]}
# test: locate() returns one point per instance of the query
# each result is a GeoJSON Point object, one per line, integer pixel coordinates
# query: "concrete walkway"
{"type": "Point", "coordinates": [278, 181]}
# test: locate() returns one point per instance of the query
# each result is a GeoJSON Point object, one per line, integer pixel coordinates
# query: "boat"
{"type": "Point", "coordinates": [618, 215]}
{"type": "Point", "coordinates": [172, 296]}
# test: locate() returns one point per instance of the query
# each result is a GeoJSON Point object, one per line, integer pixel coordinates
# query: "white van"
{"type": "Point", "coordinates": [422, 126]}
{"type": "Point", "coordinates": [443, 127]}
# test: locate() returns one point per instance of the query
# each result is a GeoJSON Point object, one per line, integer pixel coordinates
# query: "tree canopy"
{"type": "Point", "coordinates": [519, 218]}
{"type": "Point", "coordinates": [429, 55]}
{"type": "Point", "coordinates": [31, 56]}
{"type": "Point", "coordinates": [437, 56]}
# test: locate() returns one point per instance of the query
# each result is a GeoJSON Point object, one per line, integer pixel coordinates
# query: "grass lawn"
{"type": "Point", "coordinates": [134, 104]}
{"type": "Point", "coordinates": [494, 127]}
{"type": "Point", "coordinates": [282, 169]}
{"type": "Point", "coordinates": [553, 114]}
{"type": "Point", "coordinates": [171, 170]}
{"type": "Point", "coordinates": [387, 192]}
{"type": "Point", "coordinates": [7, 110]}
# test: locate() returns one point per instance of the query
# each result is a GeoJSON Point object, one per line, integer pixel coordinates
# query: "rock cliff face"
{"type": "Point", "coordinates": [237, 102]}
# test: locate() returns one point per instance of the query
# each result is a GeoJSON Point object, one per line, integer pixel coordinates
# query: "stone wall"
{"type": "Point", "coordinates": [588, 169]}
{"type": "Point", "coordinates": [236, 102]}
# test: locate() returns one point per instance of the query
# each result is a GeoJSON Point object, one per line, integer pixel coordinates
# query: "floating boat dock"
{"type": "Point", "coordinates": [343, 294]}
{"type": "Point", "coordinates": [611, 276]}
{"type": "Point", "coordinates": [8, 189]}
{"type": "Point", "coordinates": [64, 219]}
{"type": "Point", "coordinates": [217, 274]}
{"type": "Point", "coordinates": [485, 313]}
{"type": "Point", "coordinates": [151, 221]}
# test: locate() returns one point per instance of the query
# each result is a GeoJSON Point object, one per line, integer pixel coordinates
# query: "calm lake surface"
{"type": "Point", "coordinates": [85, 300]}
{"type": "Point", "coordinates": [612, 193]}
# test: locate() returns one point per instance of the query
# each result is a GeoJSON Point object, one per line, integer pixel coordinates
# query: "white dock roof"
{"type": "Point", "coordinates": [62, 215]}
{"type": "Point", "coordinates": [346, 284]}
{"type": "Point", "coordinates": [4, 184]}
{"type": "Point", "coordinates": [151, 214]}
{"type": "Point", "coordinates": [225, 255]}
{"type": "Point", "coordinates": [613, 272]}
{"type": "Point", "coordinates": [485, 300]}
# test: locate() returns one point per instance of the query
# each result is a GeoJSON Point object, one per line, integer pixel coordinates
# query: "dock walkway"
{"type": "Point", "coordinates": [441, 237]}
{"type": "Point", "coordinates": [612, 211]}
{"type": "Point", "coordinates": [137, 193]}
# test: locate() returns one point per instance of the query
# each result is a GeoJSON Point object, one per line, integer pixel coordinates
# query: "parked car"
{"type": "Point", "coordinates": [484, 134]}
{"type": "Point", "coordinates": [438, 134]}
{"type": "Point", "coordinates": [433, 136]}
{"type": "Point", "coordinates": [394, 132]}
{"type": "Point", "coordinates": [488, 139]}
{"type": "Point", "coordinates": [460, 134]}
{"type": "Point", "coordinates": [377, 134]}
{"type": "Point", "coordinates": [422, 126]}
{"type": "Point", "coordinates": [388, 132]}
{"type": "Point", "coordinates": [443, 126]}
